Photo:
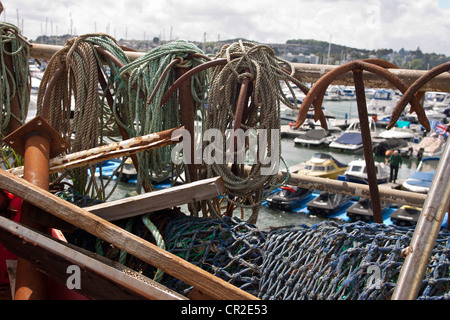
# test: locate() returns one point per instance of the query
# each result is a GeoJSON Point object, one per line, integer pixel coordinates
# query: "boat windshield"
{"type": "Point", "coordinates": [429, 165]}
{"type": "Point", "coordinates": [356, 168]}
{"type": "Point", "coordinates": [382, 95]}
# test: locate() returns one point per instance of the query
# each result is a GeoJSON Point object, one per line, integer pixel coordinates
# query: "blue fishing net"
{"type": "Point", "coordinates": [356, 261]}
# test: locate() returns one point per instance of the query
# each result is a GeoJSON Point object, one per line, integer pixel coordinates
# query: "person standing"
{"type": "Point", "coordinates": [395, 161]}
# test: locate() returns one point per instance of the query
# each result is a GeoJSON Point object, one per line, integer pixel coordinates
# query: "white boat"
{"type": "Point", "coordinates": [333, 93]}
{"type": "Point", "coordinates": [315, 137]}
{"type": "Point", "coordinates": [382, 103]}
{"type": "Point", "coordinates": [421, 180]}
{"type": "Point", "coordinates": [399, 133]}
{"type": "Point", "coordinates": [429, 146]}
{"type": "Point", "coordinates": [351, 139]}
{"type": "Point", "coordinates": [436, 100]}
{"type": "Point", "coordinates": [357, 172]}
{"type": "Point", "coordinates": [369, 93]}
{"type": "Point", "coordinates": [348, 93]}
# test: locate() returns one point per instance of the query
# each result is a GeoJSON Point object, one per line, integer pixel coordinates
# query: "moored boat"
{"type": "Point", "coordinates": [357, 172]}
{"type": "Point", "coordinates": [323, 165]}
{"type": "Point", "coordinates": [421, 180]}
{"type": "Point", "coordinates": [315, 137]}
{"type": "Point", "coordinates": [288, 197]}
{"type": "Point", "coordinates": [362, 210]}
{"type": "Point", "coordinates": [406, 215]}
{"type": "Point", "coordinates": [328, 203]}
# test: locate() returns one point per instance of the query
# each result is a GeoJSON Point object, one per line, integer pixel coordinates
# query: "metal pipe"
{"type": "Point", "coordinates": [31, 284]}
{"type": "Point", "coordinates": [305, 72]}
{"type": "Point", "coordinates": [111, 151]}
{"type": "Point", "coordinates": [387, 194]}
{"type": "Point", "coordinates": [427, 229]}
{"type": "Point", "coordinates": [367, 145]}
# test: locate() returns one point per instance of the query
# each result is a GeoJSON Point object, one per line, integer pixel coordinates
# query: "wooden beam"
{"type": "Point", "coordinates": [100, 278]}
{"type": "Point", "coordinates": [132, 244]}
{"type": "Point", "coordinates": [158, 200]}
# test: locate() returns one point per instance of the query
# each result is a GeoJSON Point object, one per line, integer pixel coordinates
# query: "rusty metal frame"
{"type": "Point", "coordinates": [317, 92]}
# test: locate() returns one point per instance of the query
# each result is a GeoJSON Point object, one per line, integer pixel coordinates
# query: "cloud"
{"type": "Point", "coordinates": [371, 24]}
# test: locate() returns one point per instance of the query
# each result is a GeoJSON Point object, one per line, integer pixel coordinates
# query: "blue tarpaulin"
{"type": "Point", "coordinates": [350, 138]}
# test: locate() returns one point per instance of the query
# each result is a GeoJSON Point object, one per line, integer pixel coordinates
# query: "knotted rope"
{"type": "Point", "coordinates": [259, 64]}
{"type": "Point", "coordinates": [16, 82]}
{"type": "Point", "coordinates": [140, 118]}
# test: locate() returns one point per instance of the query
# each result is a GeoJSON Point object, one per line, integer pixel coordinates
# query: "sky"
{"type": "Point", "coordinates": [369, 24]}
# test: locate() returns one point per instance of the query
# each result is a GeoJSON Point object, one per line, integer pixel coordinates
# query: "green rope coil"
{"type": "Point", "coordinates": [141, 77]}
{"type": "Point", "coordinates": [159, 241]}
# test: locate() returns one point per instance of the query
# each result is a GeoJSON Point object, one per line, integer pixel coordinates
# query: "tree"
{"type": "Point", "coordinates": [417, 64]}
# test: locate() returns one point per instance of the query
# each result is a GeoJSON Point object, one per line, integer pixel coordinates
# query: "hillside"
{"type": "Point", "coordinates": [339, 54]}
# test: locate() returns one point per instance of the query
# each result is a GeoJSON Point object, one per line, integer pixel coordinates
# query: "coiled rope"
{"type": "Point", "coordinates": [141, 77]}
{"type": "Point", "coordinates": [16, 82]}
{"type": "Point", "coordinates": [260, 64]}
{"type": "Point", "coordinates": [79, 63]}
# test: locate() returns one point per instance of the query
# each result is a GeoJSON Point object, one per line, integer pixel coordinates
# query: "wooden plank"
{"type": "Point", "coordinates": [158, 200]}
{"type": "Point", "coordinates": [132, 244]}
{"type": "Point", "coordinates": [100, 277]}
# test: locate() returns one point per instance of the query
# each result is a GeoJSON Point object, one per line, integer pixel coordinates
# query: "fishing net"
{"type": "Point", "coordinates": [229, 249]}
{"type": "Point", "coordinates": [356, 261]}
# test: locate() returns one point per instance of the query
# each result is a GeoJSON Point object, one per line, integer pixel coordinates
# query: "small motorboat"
{"type": "Point", "coordinates": [322, 165]}
{"type": "Point", "coordinates": [399, 133]}
{"type": "Point", "coordinates": [351, 141]}
{"type": "Point", "coordinates": [315, 137]}
{"type": "Point", "coordinates": [288, 197]}
{"type": "Point", "coordinates": [429, 146]}
{"type": "Point", "coordinates": [328, 203]}
{"type": "Point", "coordinates": [406, 216]}
{"type": "Point", "coordinates": [362, 210]}
{"type": "Point", "coordinates": [421, 180]}
{"type": "Point", "coordinates": [357, 172]}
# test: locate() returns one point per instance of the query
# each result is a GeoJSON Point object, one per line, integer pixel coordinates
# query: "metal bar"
{"type": "Point", "coordinates": [311, 73]}
{"type": "Point", "coordinates": [187, 116]}
{"type": "Point", "coordinates": [387, 194]}
{"type": "Point", "coordinates": [427, 229]}
{"type": "Point", "coordinates": [111, 151]}
{"type": "Point", "coordinates": [367, 145]}
{"type": "Point", "coordinates": [305, 72]}
{"type": "Point", "coordinates": [31, 284]}
{"type": "Point", "coordinates": [241, 105]}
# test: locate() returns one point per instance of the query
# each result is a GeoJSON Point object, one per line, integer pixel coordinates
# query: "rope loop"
{"type": "Point", "coordinates": [259, 64]}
